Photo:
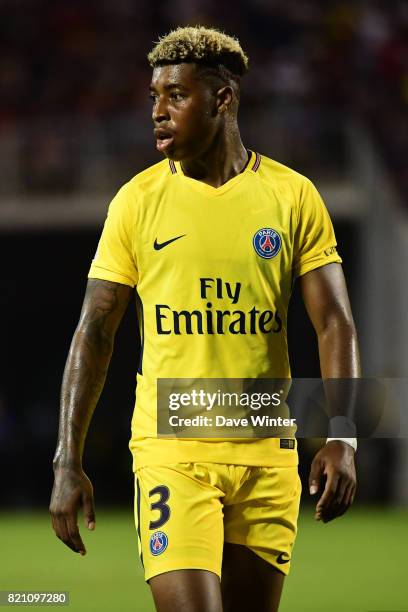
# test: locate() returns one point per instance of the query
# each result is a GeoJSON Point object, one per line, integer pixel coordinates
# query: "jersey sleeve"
{"type": "Point", "coordinates": [315, 243]}
{"type": "Point", "coordinates": [115, 259]}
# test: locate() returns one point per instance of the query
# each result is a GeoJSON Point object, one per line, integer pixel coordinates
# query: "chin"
{"type": "Point", "coordinates": [174, 155]}
{"type": "Point", "coordinates": [178, 152]}
{"type": "Point", "coordinates": [179, 155]}
{"type": "Point", "coordinates": [171, 155]}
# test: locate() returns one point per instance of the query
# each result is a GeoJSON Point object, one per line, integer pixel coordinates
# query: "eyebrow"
{"type": "Point", "coordinates": [169, 86]}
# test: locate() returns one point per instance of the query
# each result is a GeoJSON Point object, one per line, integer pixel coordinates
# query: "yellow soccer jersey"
{"type": "Point", "coordinates": [214, 270]}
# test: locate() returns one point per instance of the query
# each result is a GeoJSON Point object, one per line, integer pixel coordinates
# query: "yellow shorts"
{"type": "Point", "coordinates": [185, 512]}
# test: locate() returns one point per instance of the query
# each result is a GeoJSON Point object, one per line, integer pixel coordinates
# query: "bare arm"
{"type": "Point", "coordinates": [326, 299]}
{"type": "Point", "coordinates": [84, 376]}
{"type": "Point", "coordinates": [327, 303]}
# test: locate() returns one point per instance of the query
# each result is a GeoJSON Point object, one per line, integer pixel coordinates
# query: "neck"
{"type": "Point", "coordinates": [226, 158]}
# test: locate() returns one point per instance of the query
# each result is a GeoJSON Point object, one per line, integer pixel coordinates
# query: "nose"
{"type": "Point", "coordinates": [160, 111]}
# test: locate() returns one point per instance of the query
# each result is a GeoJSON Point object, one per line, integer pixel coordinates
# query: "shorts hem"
{"type": "Point", "coordinates": [183, 566]}
{"type": "Point", "coordinates": [284, 567]}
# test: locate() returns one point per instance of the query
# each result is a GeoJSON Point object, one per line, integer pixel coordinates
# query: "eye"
{"type": "Point", "coordinates": [152, 96]}
{"type": "Point", "coordinates": [175, 95]}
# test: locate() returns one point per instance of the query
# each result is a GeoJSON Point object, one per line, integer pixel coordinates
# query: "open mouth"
{"type": "Point", "coordinates": [163, 143]}
{"type": "Point", "coordinates": [163, 139]}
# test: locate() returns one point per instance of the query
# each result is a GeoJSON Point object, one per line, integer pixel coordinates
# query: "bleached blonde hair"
{"type": "Point", "coordinates": [207, 47]}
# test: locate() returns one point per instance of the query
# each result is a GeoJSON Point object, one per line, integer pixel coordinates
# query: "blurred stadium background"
{"type": "Point", "coordinates": [327, 94]}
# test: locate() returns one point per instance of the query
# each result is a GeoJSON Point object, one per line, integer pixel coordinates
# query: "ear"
{"type": "Point", "coordinates": [224, 97]}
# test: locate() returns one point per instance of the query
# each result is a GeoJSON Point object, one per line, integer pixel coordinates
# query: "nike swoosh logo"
{"type": "Point", "coordinates": [281, 559]}
{"type": "Point", "coordinates": [160, 245]}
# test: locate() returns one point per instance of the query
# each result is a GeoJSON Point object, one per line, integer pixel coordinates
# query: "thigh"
{"type": "Point", "coordinates": [179, 520]}
{"type": "Point", "coordinates": [248, 581]}
{"type": "Point", "coordinates": [262, 515]}
{"type": "Point", "coordinates": [187, 591]}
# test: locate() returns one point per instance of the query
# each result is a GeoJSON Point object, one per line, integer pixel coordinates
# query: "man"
{"type": "Point", "coordinates": [213, 237]}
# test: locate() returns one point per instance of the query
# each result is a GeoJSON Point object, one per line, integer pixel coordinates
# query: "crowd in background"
{"type": "Point", "coordinates": [74, 68]}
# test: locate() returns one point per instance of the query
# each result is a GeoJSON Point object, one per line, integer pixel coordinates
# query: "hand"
{"type": "Point", "coordinates": [72, 490]}
{"type": "Point", "coordinates": [336, 461]}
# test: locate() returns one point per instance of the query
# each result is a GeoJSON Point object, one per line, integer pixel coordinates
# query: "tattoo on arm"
{"type": "Point", "coordinates": [87, 364]}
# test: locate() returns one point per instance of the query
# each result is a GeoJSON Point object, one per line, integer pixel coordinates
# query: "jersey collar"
{"type": "Point", "coordinates": [252, 166]}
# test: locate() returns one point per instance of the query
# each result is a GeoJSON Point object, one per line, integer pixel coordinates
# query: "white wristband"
{"type": "Point", "coordinates": [351, 441]}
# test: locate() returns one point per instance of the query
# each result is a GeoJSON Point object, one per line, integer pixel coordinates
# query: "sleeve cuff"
{"type": "Point", "coordinates": [103, 274]}
{"type": "Point", "coordinates": [315, 263]}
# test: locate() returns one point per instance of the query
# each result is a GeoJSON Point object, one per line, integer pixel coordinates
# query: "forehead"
{"type": "Point", "coordinates": [174, 74]}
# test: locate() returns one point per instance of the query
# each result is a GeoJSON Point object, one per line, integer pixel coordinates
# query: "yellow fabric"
{"type": "Point", "coordinates": [198, 506]}
{"type": "Point", "coordinates": [212, 233]}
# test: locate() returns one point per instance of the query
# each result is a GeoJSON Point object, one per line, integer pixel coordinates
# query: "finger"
{"type": "Point", "coordinates": [89, 510]}
{"type": "Point", "coordinates": [348, 496]}
{"type": "Point", "coordinates": [74, 535]}
{"type": "Point", "coordinates": [342, 500]}
{"type": "Point", "coordinates": [342, 488]}
{"type": "Point", "coordinates": [339, 502]}
{"type": "Point", "coordinates": [59, 531]}
{"type": "Point", "coordinates": [328, 494]}
{"type": "Point", "coordinates": [62, 532]}
{"type": "Point", "coordinates": [316, 471]}
{"type": "Point", "coordinates": [59, 526]}
{"type": "Point", "coordinates": [347, 499]}
{"type": "Point", "coordinates": [55, 526]}
{"type": "Point", "coordinates": [53, 522]}
{"type": "Point", "coordinates": [329, 491]}
{"type": "Point", "coordinates": [344, 504]}
{"type": "Point", "coordinates": [353, 493]}
{"type": "Point", "coordinates": [338, 505]}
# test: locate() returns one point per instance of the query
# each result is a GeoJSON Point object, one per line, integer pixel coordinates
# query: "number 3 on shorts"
{"type": "Point", "coordinates": [160, 505]}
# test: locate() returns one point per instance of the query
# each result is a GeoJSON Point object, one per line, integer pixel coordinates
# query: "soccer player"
{"type": "Point", "coordinates": [212, 237]}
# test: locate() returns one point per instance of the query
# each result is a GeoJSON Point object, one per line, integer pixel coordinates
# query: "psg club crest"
{"type": "Point", "coordinates": [267, 242]}
{"type": "Point", "coordinates": [158, 543]}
